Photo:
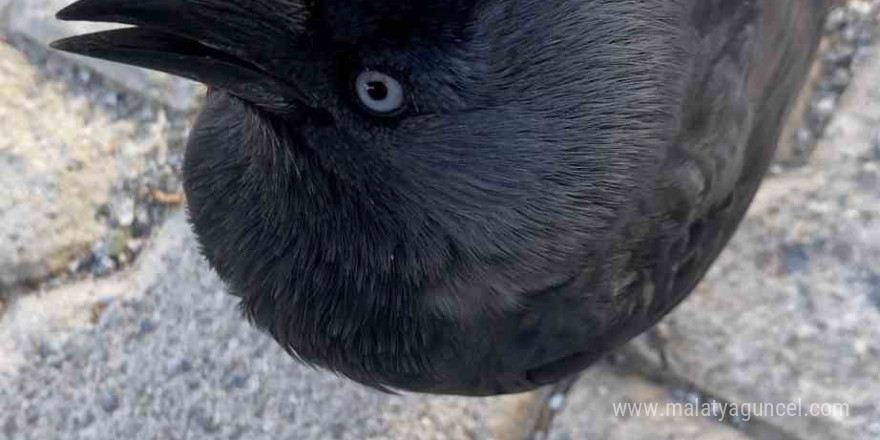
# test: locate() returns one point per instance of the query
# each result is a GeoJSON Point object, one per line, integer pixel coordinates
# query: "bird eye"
{"type": "Point", "coordinates": [379, 92]}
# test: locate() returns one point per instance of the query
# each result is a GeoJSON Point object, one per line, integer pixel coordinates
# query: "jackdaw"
{"type": "Point", "coordinates": [467, 196]}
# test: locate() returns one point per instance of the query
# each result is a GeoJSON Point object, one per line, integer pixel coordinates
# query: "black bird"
{"type": "Point", "coordinates": [467, 196]}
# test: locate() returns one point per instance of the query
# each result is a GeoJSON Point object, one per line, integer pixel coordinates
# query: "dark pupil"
{"type": "Point", "coordinates": [377, 90]}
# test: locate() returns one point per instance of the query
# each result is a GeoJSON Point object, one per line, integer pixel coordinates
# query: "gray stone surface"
{"type": "Point", "coordinates": [849, 32]}
{"type": "Point", "coordinates": [791, 310]}
{"type": "Point", "coordinates": [590, 412]}
{"type": "Point", "coordinates": [61, 154]}
{"type": "Point", "coordinates": [160, 352]}
{"type": "Point", "coordinates": [35, 20]}
{"type": "Point", "coordinates": [4, 11]}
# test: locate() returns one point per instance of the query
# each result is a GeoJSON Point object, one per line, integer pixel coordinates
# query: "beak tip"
{"type": "Point", "coordinates": [61, 45]}
{"type": "Point", "coordinates": [72, 45]}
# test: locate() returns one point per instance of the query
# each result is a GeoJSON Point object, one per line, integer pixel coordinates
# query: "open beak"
{"type": "Point", "coordinates": [226, 44]}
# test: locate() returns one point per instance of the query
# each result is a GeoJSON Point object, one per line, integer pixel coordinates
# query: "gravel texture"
{"type": "Point", "coordinates": [80, 164]}
{"type": "Point", "coordinates": [849, 34]}
{"type": "Point", "coordinates": [60, 157]}
{"type": "Point", "coordinates": [91, 157]}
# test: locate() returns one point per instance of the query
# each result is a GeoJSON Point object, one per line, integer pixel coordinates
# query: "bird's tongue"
{"type": "Point", "coordinates": [219, 43]}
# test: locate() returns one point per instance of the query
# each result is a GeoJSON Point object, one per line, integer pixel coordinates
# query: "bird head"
{"type": "Point", "coordinates": [406, 192]}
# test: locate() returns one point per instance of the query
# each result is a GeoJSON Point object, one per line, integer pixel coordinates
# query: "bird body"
{"type": "Point", "coordinates": [468, 196]}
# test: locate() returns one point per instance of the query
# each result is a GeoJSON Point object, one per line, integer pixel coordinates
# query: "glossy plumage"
{"type": "Point", "coordinates": [563, 174]}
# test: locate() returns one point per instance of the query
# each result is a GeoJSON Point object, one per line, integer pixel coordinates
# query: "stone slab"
{"type": "Point", "coordinates": [59, 158]}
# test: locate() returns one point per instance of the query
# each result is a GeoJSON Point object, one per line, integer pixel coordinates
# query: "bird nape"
{"type": "Point", "coordinates": [467, 196]}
